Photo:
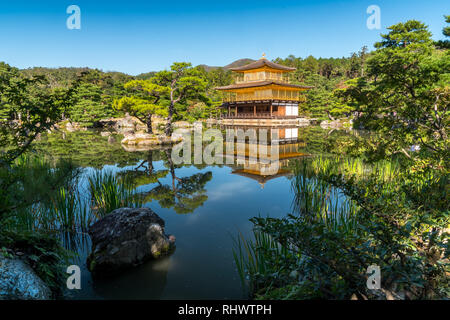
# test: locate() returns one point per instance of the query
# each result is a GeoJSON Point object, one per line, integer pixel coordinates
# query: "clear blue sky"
{"type": "Point", "coordinates": [141, 36]}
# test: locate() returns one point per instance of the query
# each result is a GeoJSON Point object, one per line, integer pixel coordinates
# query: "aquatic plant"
{"type": "Point", "coordinates": [108, 192]}
{"type": "Point", "coordinates": [256, 258]}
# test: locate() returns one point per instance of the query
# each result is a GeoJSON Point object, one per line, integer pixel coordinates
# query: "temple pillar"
{"type": "Point", "coordinates": [254, 110]}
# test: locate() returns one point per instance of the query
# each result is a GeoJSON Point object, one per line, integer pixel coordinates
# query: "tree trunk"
{"type": "Point", "coordinates": [168, 130]}
{"type": "Point", "coordinates": [150, 162]}
{"type": "Point", "coordinates": [148, 122]}
{"type": "Point", "coordinates": [172, 168]}
{"type": "Point", "coordinates": [330, 116]}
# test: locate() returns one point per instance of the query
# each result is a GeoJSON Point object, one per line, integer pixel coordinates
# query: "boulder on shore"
{"type": "Point", "coordinates": [125, 238]}
{"type": "Point", "coordinates": [121, 125]}
{"type": "Point", "coordinates": [334, 124]}
{"type": "Point", "coordinates": [181, 124]}
{"type": "Point", "coordinates": [18, 281]}
{"type": "Point", "coordinates": [147, 139]}
{"type": "Point", "coordinates": [303, 122]}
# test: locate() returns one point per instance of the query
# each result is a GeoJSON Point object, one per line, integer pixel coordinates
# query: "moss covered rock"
{"type": "Point", "coordinates": [125, 238]}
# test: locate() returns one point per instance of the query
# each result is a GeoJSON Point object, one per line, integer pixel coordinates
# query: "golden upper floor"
{"type": "Point", "coordinates": [262, 80]}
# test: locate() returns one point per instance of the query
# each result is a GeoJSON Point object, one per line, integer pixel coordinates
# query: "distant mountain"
{"type": "Point", "coordinates": [234, 64]}
{"type": "Point", "coordinates": [239, 63]}
{"type": "Point", "coordinates": [63, 75]}
{"type": "Point", "coordinates": [145, 76]}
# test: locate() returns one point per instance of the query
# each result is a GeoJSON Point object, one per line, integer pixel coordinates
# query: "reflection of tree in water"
{"type": "Point", "coordinates": [184, 194]}
{"type": "Point", "coordinates": [85, 149]}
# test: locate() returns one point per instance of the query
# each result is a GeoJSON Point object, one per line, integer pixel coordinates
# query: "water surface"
{"type": "Point", "coordinates": [218, 205]}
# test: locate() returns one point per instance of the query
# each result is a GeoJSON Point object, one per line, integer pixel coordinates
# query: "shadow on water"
{"type": "Point", "coordinates": [146, 281]}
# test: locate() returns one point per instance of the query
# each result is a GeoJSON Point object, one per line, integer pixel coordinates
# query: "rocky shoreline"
{"type": "Point", "coordinates": [133, 132]}
{"type": "Point", "coordinates": [123, 239]}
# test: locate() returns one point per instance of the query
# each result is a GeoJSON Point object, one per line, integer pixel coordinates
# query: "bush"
{"type": "Point", "coordinates": [343, 223]}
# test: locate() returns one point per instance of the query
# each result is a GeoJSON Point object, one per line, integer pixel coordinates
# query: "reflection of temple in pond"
{"type": "Point", "coordinates": [263, 154]}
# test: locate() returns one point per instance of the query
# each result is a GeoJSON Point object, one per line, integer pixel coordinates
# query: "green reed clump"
{"type": "Point", "coordinates": [317, 201]}
{"type": "Point", "coordinates": [62, 205]}
{"type": "Point", "coordinates": [257, 258]}
{"type": "Point", "coordinates": [109, 192]}
{"type": "Point", "coordinates": [269, 262]}
{"type": "Point", "coordinates": [348, 215]}
{"type": "Point", "coordinates": [326, 166]}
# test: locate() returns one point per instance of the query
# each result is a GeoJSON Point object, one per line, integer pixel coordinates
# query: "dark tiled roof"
{"type": "Point", "coordinates": [261, 63]}
{"type": "Point", "coordinates": [261, 84]}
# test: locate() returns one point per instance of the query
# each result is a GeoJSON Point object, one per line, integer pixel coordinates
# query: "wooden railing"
{"type": "Point", "coordinates": [262, 76]}
{"type": "Point", "coordinates": [259, 115]}
{"type": "Point", "coordinates": [274, 95]}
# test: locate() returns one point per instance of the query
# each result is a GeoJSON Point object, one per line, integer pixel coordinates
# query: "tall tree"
{"type": "Point", "coordinates": [89, 105]}
{"type": "Point", "coordinates": [143, 102]}
{"type": "Point", "coordinates": [446, 31]}
{"type": "Point", "coordinates": [38, 106]}
{"type": "Point", "coordinates": [405, 94]}
{"type": "Point", "coordinates": [41, 107]}
{"type": "Point", "coordinates": [183, 82]}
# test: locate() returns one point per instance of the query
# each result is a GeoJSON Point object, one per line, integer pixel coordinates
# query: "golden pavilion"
{"type": "Point", "coordinates": [265, 161]}
{"type": "Point", "coordinates": [262, 90]}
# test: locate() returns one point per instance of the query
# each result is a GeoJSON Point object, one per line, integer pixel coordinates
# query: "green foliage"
{"type": "Point", "coordinates": [94, 97]}
{"type": "Point", "coordinates": [326, 76]}
{"type": "Point", "coordinates": [43, 253]}
{"type": "Point", "coordinates": [30, 180]}
{"type": "Point", "coordinates": [446, 31]}
{"type": "Point", "coordinates": [405, 34]}
{"type": "Point", "coordinates": [85, 149]}
{"type": "Point", "coordinates": [33, 104]}
{"type": "Point", "coordinates": [261, 262]}
{"type": "Point", "coordinates": [89, 106]}
{"type": "Point", "coordinates": [184, 84]}
{"type": "Point", "coordinates": [30, 106]}
{"type": "Point", "coordinates": [397, 216]}
{"type": "Point", "coordinates": [108, 193]}
{"type": "Point", "coordinates": [321, 213]}
{"type": "Point", "coordinates": [184, 195]}
{"type": "Point", "coordinates": [143, 102]}
{"type": "Point", "coordinates": [31, 208]}
{"type": "Point", "coordinates": [378, 219]}
{"type": "Point", "coordinates": [444, 44]}
{"type": "Point", "coordinates": [405, 95]}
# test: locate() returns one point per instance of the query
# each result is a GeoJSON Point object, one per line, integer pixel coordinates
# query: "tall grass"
{"type": "Point", "coordinates": [66, 209]}
{"type": "Point", "coordinates": [316, 201]}
{"type": "Point", "coordinates": [108, 192]}
{"type": "Point", "coordinates": [256, 257]}
{"type": "Point", "coordinates": [384, 169]}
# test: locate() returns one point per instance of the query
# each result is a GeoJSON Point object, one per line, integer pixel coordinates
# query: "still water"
{"type": "Point", "coordinates": [205, 220]}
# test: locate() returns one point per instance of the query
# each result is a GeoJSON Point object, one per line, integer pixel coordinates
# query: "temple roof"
{"type": "Point", "coordinates": [261, 179]}
{"type": "Point", "coordinates": [263, 83]}
{"type": "Point", "coordinates": [261, 63]}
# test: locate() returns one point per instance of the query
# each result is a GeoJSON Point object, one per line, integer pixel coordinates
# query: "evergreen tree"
{"type": "Point", "coordinates": [143, 102]}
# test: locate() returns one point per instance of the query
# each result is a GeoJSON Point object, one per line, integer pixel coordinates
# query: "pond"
{"type": "Point", "coordinates": [205, 206]}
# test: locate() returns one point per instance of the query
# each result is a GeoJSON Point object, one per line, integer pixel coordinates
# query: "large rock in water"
{"type": "Point", "coordinates": [121, 125]}
{"type": "Point", "coordinates": [125, 238]}
{"type": "Point", "coordinates": [19, 282]}
{"type": "Point", "coordinates": [147, 139]}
